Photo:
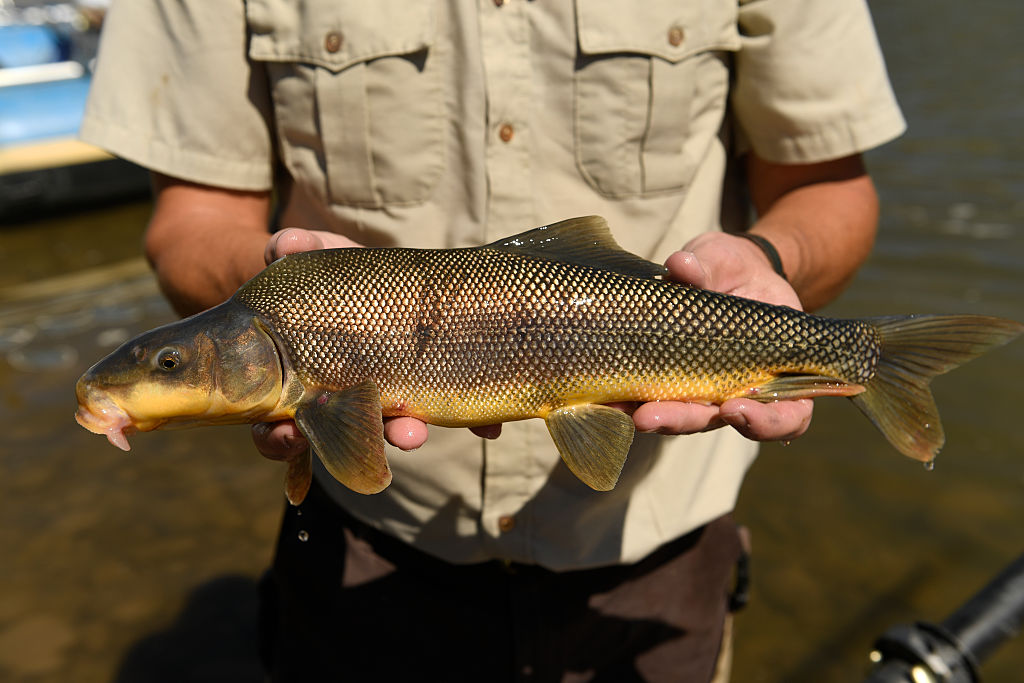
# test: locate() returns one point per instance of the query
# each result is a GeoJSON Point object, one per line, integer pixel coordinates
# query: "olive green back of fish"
{"type": "Point", "coordinates": [472, 336]}
{"type": "Point", "coordinates": [549, 324]}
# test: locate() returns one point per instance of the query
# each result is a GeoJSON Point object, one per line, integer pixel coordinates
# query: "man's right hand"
{"type": "Point", "coordinates": [281, 440]}
{"type": "Point", "coordinates": [295, 240]}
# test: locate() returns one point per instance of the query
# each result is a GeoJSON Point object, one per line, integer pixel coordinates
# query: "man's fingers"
{"type": "Point", "coordinates": [672, 417]}
{"type": "Point", "coordinates": [290, 241]}
{"type": "Point", "coordinates": [283, 440]}
{"type": "Point", "coordinates": [778, 421]}
{"type": "Point", "coordinates": [684, 266]}
{"type": "Point", "coordinates": [278, 440]}
{"type": "Point", "coordinates": [406, 433]}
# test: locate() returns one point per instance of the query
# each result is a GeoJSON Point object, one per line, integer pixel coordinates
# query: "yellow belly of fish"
{"type": "Point", "coordinates": [484, 405]}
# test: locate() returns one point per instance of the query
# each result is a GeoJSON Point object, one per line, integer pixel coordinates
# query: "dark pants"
{"type": "Point", "coordinates": [344, 602]}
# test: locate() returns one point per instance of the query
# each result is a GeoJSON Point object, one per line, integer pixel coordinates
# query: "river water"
{"type": "Point", "coordinates": [141, 567]}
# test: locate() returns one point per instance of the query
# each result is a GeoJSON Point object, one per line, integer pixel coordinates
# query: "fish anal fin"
{"type": "Point", "coordinates": [790, 387]}
{"type": "Point", "coordinates": [346, 430]}
{"type": "Point", "coordinates": [584, 241]}
{"type": "Point", "coordinates": [299, 477]}
{"type": "Point", "coordinates": [593, 441]}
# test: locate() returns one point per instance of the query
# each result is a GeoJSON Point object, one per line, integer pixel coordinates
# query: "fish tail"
{"type": "Point", "coordinates": [914, 349]}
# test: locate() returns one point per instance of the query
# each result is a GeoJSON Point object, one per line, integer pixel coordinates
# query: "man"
{"type": "Point", "coordinates": [455, 123]}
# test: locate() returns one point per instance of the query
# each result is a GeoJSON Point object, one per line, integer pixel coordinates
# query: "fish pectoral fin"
{"type": "Point", "coordinates": [789, 387]}
{"type": "Point", "coordinates": [299, 477]}
{"type": "Point", "coordinates": [346, 431]}
{"type": "Point", "coordinates": [593, 441]}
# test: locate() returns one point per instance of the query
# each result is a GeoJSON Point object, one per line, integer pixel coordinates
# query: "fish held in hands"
{"type": "Point", "coordinates": [551, 323]}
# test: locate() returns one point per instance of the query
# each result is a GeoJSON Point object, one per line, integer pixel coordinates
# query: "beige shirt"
{"type": "Point", "coordinates": [447, 124]}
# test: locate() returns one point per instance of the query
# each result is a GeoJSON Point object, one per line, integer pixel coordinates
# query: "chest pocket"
{"type": "Point", "coordinates": [651, 86]}
{"type": "Point", "coordinates": [358, 102]}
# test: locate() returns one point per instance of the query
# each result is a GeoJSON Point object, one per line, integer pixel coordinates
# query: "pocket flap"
{"type": "Point", "coordinates": [336, 35]}
{"type": "Point", "coordinates": [669, 29]}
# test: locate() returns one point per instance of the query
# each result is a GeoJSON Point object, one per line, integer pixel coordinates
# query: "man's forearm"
{"type": "Point", "coordinates": [821, 218]}
{"type": "Point", "coordinates": [204, 242]}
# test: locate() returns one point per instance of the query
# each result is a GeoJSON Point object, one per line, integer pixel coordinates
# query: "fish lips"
{"type": "Point", "coordinates": [100, 414]}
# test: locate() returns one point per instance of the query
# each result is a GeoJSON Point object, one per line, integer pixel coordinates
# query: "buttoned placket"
{"type": "Point", "coordinates": [505, 42]}
{"type": "Point", "coordinates": [508, 481]}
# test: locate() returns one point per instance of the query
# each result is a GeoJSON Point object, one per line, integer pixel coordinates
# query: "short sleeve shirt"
{"type": "Point", "coordinates": [445, 124]}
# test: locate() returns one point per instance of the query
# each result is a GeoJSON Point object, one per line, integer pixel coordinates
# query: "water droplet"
{"type": "Point", "coordinates": [785, 443]}
{"type": "Point", "coordinates": [930, 465]}
{"type": "Point", "coordinates": [303, 535]}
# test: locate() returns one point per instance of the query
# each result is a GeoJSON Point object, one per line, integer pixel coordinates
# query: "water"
{"type": "Point", "coordinates": [114, 564]}
{"type": "Point", "coordinates": [850, 538]}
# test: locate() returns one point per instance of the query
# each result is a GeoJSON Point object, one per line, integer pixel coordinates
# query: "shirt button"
{"type": "Point", "coordinates": [675, 36]}
{"type": "Point", "coordinates": [506, 523]}
{"type": "Point", "coordinates": [506, 132]}
{"type": "Point", "coordinates": [332, 41]}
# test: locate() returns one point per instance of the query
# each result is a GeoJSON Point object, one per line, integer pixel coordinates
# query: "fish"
{"type": "Point", "coordinates": [553, 323]}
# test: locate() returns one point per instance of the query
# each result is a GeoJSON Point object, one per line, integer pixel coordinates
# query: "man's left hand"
{"type": "Point", "coordinates": [731, 265]}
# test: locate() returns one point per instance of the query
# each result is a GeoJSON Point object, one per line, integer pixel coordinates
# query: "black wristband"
{"type": "Point", "coordinates": [769, 251]}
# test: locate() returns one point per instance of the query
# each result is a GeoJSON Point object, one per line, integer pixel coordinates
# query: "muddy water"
{"type": "Point", "coordinates": [850, 538]}
{"type": "Point", "coordinates": [141, 566]}
{"type": "Point", "coordinates": [113, 565]}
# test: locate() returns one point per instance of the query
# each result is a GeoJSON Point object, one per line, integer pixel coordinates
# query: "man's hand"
{"type": "Point", "coordinates": [295, 240]}
{"type": "Point", "coordinates": [732, 265]}
{"type": "Point", "coordinates": [281, 440]}
{"type": "Point", "coordinates": [822, 218]}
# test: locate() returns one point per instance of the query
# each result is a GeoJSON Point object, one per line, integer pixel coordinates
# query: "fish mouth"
{"type": "Point", "coordinates": [103, 416]}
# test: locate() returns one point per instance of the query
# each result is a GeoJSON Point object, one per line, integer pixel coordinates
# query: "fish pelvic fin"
{"type": "Point", "coordinates": [593, 441]}
{"type": "Point", "coordinates": [914, 349]}
{"type": "Point", "coordinates": [585, 241]}
{"type": "Point", "coordinates": [299, 477]}
{"type": "Point", "coordinates": [346, 431]}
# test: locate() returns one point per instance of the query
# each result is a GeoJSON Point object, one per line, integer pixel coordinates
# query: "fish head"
{"type": "Point", "coordinates": [218, 367]}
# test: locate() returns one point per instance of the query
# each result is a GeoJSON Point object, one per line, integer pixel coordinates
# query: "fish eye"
{"type": "Point", "coordinates": [168, 359]}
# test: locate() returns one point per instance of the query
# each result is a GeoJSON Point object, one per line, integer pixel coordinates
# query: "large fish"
{"type": "Point", "coordinates": [551, 323]}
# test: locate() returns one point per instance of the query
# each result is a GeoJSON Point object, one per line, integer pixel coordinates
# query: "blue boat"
{"type": "Point", "coordinates": [45, 51]}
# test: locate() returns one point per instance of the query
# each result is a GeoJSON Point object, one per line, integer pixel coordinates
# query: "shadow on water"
{"type": "Point", "coordinates": [213, 639]}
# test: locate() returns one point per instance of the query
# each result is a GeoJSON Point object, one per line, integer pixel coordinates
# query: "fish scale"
{"type": "Point", "coordinates": [552, 323]}
{"type": "Point", "coordinates": [513, 337]}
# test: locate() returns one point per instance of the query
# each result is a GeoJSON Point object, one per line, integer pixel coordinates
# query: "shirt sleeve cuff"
{"type": "Point", "coordinates": [170, 160]}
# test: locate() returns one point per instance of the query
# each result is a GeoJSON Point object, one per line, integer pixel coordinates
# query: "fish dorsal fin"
{"type": "Point", "coordinates": [593, 441]}
{"type": "Point", "coordinates": [346, 431]}
{"type": "Point", "coordinates": [584, 241]}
